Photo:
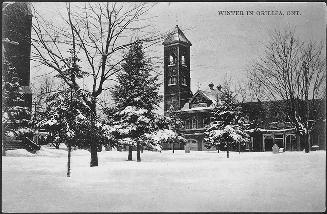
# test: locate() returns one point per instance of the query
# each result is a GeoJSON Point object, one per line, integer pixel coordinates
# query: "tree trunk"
{"type": "Point", "coordinates": [69, 157]}
{"type": "Point", "coordinates": [138, 153]}
{"type": "Point", "coordinates": [298, 142]}
{"type": "Point", "coordinates": [307, 135]}
{"type": "Point", "coordinates": [3, 149]}
{"type": "Point", "coordinates": [94, 147]}
{"type": "Point", "coordinates": [227, 150]}
{"type": "Point", "coordinates": [130, 149]}
{"type": "Point", "coordinates": [239, 148]}
{"type": "Point", "coordinates": [173, 148]}
{"type": "Point", "coordinates": [307, 143]}
{"type": "Point", "coordinates": [217, 147]}
{"type": "Point", "coordinates": [94, 154]}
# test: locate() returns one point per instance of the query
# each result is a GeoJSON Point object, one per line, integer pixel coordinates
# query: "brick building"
{"type": "Point", "coordinates": [177, 89]}
{"type": "Point", "coordinates": [195, 110]}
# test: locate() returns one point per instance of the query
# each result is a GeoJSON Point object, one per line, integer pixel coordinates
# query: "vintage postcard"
{"type": "Point", "coordinates": [163, 107]}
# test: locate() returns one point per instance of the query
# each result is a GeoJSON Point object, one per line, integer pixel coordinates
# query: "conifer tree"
{"type": "Point", "coordinates": [228, 127]}
{"type": "Point", "coordinates": [136, 97]}
{"type": "Point", "coordinates": [175, 124]}
{"type": "Point", "coordinates": [14, 114]}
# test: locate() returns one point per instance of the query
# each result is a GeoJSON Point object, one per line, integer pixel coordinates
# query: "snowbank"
{"type": "Point", "coordinates": [19, 153]}
{"type": "Point", "coordinates": [46, 152]}
{"type": "Point", "coordinates": [52, 152]}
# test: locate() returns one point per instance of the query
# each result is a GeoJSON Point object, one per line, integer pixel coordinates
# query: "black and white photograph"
{"type": "Point", "coordinates": [163, 107]}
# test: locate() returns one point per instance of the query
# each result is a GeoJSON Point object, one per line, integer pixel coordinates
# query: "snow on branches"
{"type": "Point", "coordinates": [229, 125]}
{"type": "Point", "coordinates": [136, 97]}
{"type": "Point", "coordinates": [229, 134]}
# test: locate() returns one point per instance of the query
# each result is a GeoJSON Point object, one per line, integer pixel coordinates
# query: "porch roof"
{"type": "Point", "coordinates": [270, 130]}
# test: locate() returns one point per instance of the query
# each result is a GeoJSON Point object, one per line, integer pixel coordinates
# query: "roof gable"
{"type": "Point", "coordinates": [199, 96]}
{"type": "Point", "coordinates": [176, 36]}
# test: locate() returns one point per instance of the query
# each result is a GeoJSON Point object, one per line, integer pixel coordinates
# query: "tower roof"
{"type": "Point", "coordinates": [176, 36]}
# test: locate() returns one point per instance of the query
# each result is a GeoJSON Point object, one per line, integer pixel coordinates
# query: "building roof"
{"type": "Point", "coordinates": [210, 95]}
{"type": "Point", "coordinates": [176, 36]}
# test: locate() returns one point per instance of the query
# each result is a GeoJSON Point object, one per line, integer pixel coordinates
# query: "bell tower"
{"type": "Point", "coordinates": [177, 89]}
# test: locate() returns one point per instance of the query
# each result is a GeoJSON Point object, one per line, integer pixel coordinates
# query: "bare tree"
{"type": "Point", "coordinates": [292, 71]}
{"type": "Point", "coordinates": [89, 45]}
{"type": "Point", "coordinates": [44, 87]}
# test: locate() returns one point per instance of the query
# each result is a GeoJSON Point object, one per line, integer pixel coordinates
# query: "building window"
{"type": "Point", "coordinates": [183, 80]}
{"type": "Point", "coordinates": [183, 62]}
{"type": "Point", "coordinates": [172, 80]}
{"type": "Point", "coordinates": [172, 60]}
{"type": "Point", "coordinates": [187, 124]}
{"type": "Point", "coordinates": [194, 123]}
{"type": "Point", "coordinates": [200, 124]}
{"type": "Point", "coordinates": [174, 99]}
{"type": "Point", "coordinates": [206, 121]}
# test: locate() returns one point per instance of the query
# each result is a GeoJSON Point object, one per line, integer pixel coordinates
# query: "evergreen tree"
{"type": "Point", "coordinates": [228, 127]}
{"type": "Point", "coordinates": [67, 119]}
{"type": "Point", "coordinates": [14, 114]}
{"type": "Point", "coordinates": [175, 124]}
{"type": "Point", "coordinates": [136, 97]}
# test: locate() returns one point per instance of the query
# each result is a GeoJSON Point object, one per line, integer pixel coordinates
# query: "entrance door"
{"type": "Point", "coordinates": [193, 144]}
{"type": "Point", "coordinates": [290, 143]}
{"type": "Point", "coordinates": [269, 142]}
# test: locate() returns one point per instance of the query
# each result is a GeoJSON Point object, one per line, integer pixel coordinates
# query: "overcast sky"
{"type": "Point", "coordinates": [225, 44]}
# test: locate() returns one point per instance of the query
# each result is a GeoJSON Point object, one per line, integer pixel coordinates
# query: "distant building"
{"type": "Point", "coordinates": [196, 109]}
{"type": "Point", "coordinates": [16, 42]}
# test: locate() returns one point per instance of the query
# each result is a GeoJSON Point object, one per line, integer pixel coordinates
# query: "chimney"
{"type": "Point", "coordinates": [211, 85]}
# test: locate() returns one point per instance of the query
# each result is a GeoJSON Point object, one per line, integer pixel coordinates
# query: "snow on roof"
{"type": "Point", "coordinates": [175, 36]}
{"type": "Point", "coordinates": [211, 95]}
{"type": "Point", "coordinates": [197, 109]}
{"type": "Point", "coordinates": [270, 130]}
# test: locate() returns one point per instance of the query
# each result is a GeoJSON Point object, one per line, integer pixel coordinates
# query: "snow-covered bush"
{"type": "Point", "coordinates": [231, 134]}
{"type": "Point", "coordinates": [21, 133]}
{"type": "Point", "coordinates": [161, 136]}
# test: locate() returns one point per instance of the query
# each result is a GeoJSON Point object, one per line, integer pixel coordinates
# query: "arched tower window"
{"type": "Point", "coordinates": [172, 59]}
{"type": "Point", "coordinates": [172, 80]}
{"type": "Point", "coordinates": [183, 80]}
{"type": "Point", "coordinates": [183, 62]}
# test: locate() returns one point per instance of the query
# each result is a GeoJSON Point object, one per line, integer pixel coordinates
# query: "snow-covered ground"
{"type": "Point", "coordinates": [196, 181]}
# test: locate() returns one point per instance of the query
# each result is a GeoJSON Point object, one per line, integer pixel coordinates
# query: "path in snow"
{"type": "Point", "coordinates": [198, 181]}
